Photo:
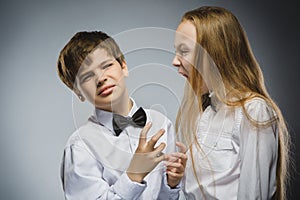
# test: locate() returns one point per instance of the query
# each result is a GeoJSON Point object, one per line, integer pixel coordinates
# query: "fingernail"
{"type": "Point", "coordinates": [149, 124]}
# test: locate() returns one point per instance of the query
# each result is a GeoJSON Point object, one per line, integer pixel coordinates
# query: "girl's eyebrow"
{"type": "Point", "coordinates": [180, 46]}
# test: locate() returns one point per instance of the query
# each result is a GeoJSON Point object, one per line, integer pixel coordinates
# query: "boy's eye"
{"type": "Point", "coordinates": [107, 65]}
{"type": "Point", "coordinates": [85, 78]}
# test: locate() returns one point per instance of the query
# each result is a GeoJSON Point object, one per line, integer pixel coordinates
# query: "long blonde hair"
{"type": "Point", "coordinates": [220, 34]}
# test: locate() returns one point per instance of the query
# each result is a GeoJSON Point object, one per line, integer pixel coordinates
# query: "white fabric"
{"type": "Point", "coordinates": [95, 160]}
{"type": "Point", "coordinates": [238, 160]}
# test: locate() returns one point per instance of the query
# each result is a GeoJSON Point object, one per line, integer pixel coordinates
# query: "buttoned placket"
{"type": "Point", "coordinates": [133, 137]}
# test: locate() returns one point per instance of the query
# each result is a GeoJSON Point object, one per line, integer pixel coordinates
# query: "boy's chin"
{"type": "Point", "coordinates": [108, 103]}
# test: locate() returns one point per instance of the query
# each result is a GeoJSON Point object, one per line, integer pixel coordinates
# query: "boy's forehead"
{"type": "Point", "coordinates": [97, 56]}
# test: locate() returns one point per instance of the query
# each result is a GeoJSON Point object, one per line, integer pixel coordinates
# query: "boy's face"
{"type": "Point", "coordinates": [101, 80]}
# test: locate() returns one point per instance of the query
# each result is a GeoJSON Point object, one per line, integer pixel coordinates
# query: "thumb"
{"type": "Point", "coordinates": [182, 147]}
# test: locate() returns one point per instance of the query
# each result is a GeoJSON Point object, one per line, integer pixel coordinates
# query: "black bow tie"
{"type": "Point", "coordinates": [206, 101]}
{"type": "Point", "coordinates": [120, 122]}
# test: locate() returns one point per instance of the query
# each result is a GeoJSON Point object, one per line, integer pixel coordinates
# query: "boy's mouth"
{"type": "Point", "coordinates": [106, 90]}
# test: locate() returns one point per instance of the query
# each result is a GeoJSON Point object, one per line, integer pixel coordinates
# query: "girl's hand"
{"type": "Point", "coordinates": [176, 163]}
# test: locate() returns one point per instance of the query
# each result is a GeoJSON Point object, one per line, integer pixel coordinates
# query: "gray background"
{"type": "Point", "coordinates": [38, 113]}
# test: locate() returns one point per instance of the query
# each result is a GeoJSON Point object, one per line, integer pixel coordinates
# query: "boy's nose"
{"type": "Point", "coordinates": [100, 79]}
{"type": "Point", "coordinates": [176, 62]}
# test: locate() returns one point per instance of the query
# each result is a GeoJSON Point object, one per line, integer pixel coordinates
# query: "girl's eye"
{"type": "Point", "coordinates": [183, 52]}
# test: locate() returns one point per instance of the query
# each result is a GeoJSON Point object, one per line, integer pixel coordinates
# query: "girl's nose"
{"type": "Point", "coordinates": [176, 61]}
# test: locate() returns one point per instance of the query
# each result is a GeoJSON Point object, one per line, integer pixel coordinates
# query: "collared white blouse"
{"type": "Point", "coordinates": [236, 160]}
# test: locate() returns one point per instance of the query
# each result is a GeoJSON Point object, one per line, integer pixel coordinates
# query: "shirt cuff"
{"type": "Point", "coordinates": [128, 189]}
{"type": "Point", "coordinates": [173, 192]}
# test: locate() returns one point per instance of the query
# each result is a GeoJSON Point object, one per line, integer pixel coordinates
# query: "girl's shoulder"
{"type": "Point", "coordinates": [259, 109]}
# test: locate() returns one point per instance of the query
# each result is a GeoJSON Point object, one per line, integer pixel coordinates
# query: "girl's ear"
{"type": "Point", "coordinates": [125, 69]}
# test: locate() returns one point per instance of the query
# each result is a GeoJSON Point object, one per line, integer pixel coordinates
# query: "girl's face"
{"type": "Point", "coordinates": [185, 45]}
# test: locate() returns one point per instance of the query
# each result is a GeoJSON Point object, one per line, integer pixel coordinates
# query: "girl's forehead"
{"type": "Point", "coordinates": [186, 34]}
{"type": "Point", "coordinates": [187, 29]}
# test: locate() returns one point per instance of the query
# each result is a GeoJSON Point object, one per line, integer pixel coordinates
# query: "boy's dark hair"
{"type": "Point", "coordinates": [76, 50]}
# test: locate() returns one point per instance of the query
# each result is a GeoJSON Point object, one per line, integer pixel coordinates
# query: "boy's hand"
{"type": "Point", "coordinates": [175, 163]}
{"type": "Point", "coordinates": [146, 157]}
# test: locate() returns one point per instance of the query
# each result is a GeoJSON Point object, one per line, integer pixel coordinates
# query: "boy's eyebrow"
{"type": "Point", "coordinates": [85, 63]}
{"type": "Point", "coordinates": [106, 61]}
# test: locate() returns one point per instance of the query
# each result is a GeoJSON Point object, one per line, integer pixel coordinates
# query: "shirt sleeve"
{"type": "Point", "coordinates": [258, 154]}
{"type": "Point", "coordinates": [166, 192]}
{"type": "Point", "coordinates": [82, 178]}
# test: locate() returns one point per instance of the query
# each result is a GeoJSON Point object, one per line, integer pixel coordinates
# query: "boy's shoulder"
{"type": "Point", "coordinates": [156, 115]}
{"type": "Point", "coordinates": [157, 118]}
{"type": "Point", "coordinates": [90, 127]}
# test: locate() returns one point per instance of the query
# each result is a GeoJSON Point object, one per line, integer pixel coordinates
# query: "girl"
{"type": "Point", "coordinates": [237, 138]}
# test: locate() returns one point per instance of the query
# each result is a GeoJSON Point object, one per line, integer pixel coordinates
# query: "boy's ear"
{"type": "Point", "coordinates": [78, 93]}
{"type": "Point", "coordinates": [125, 69]}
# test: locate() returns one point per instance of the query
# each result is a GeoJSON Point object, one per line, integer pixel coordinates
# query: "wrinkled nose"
{"type": "Point", "coordinates": [101, 82]}
{"type": "Point", "coordinates": [101, 78]}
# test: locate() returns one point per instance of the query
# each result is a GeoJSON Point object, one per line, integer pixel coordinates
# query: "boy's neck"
{"type": "Point", "coordinates": [123, 106]}
{"type": "Point", "coordinates": [123, 109]}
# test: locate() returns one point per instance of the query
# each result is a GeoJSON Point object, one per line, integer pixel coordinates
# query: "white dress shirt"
{"type": "Point", "coordinates": [238, 160]}
{"type": "Point", "coordinates": [95, 160]}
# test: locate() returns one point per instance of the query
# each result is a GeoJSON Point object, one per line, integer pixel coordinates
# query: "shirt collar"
{"type": "Point", "coordinates": [105, 117]}
{"type": "Point", "coordinates": [215, 103]}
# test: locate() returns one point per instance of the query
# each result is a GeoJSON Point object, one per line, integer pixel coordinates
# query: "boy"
{"type": "Point", "coordinates": [110, 156]}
